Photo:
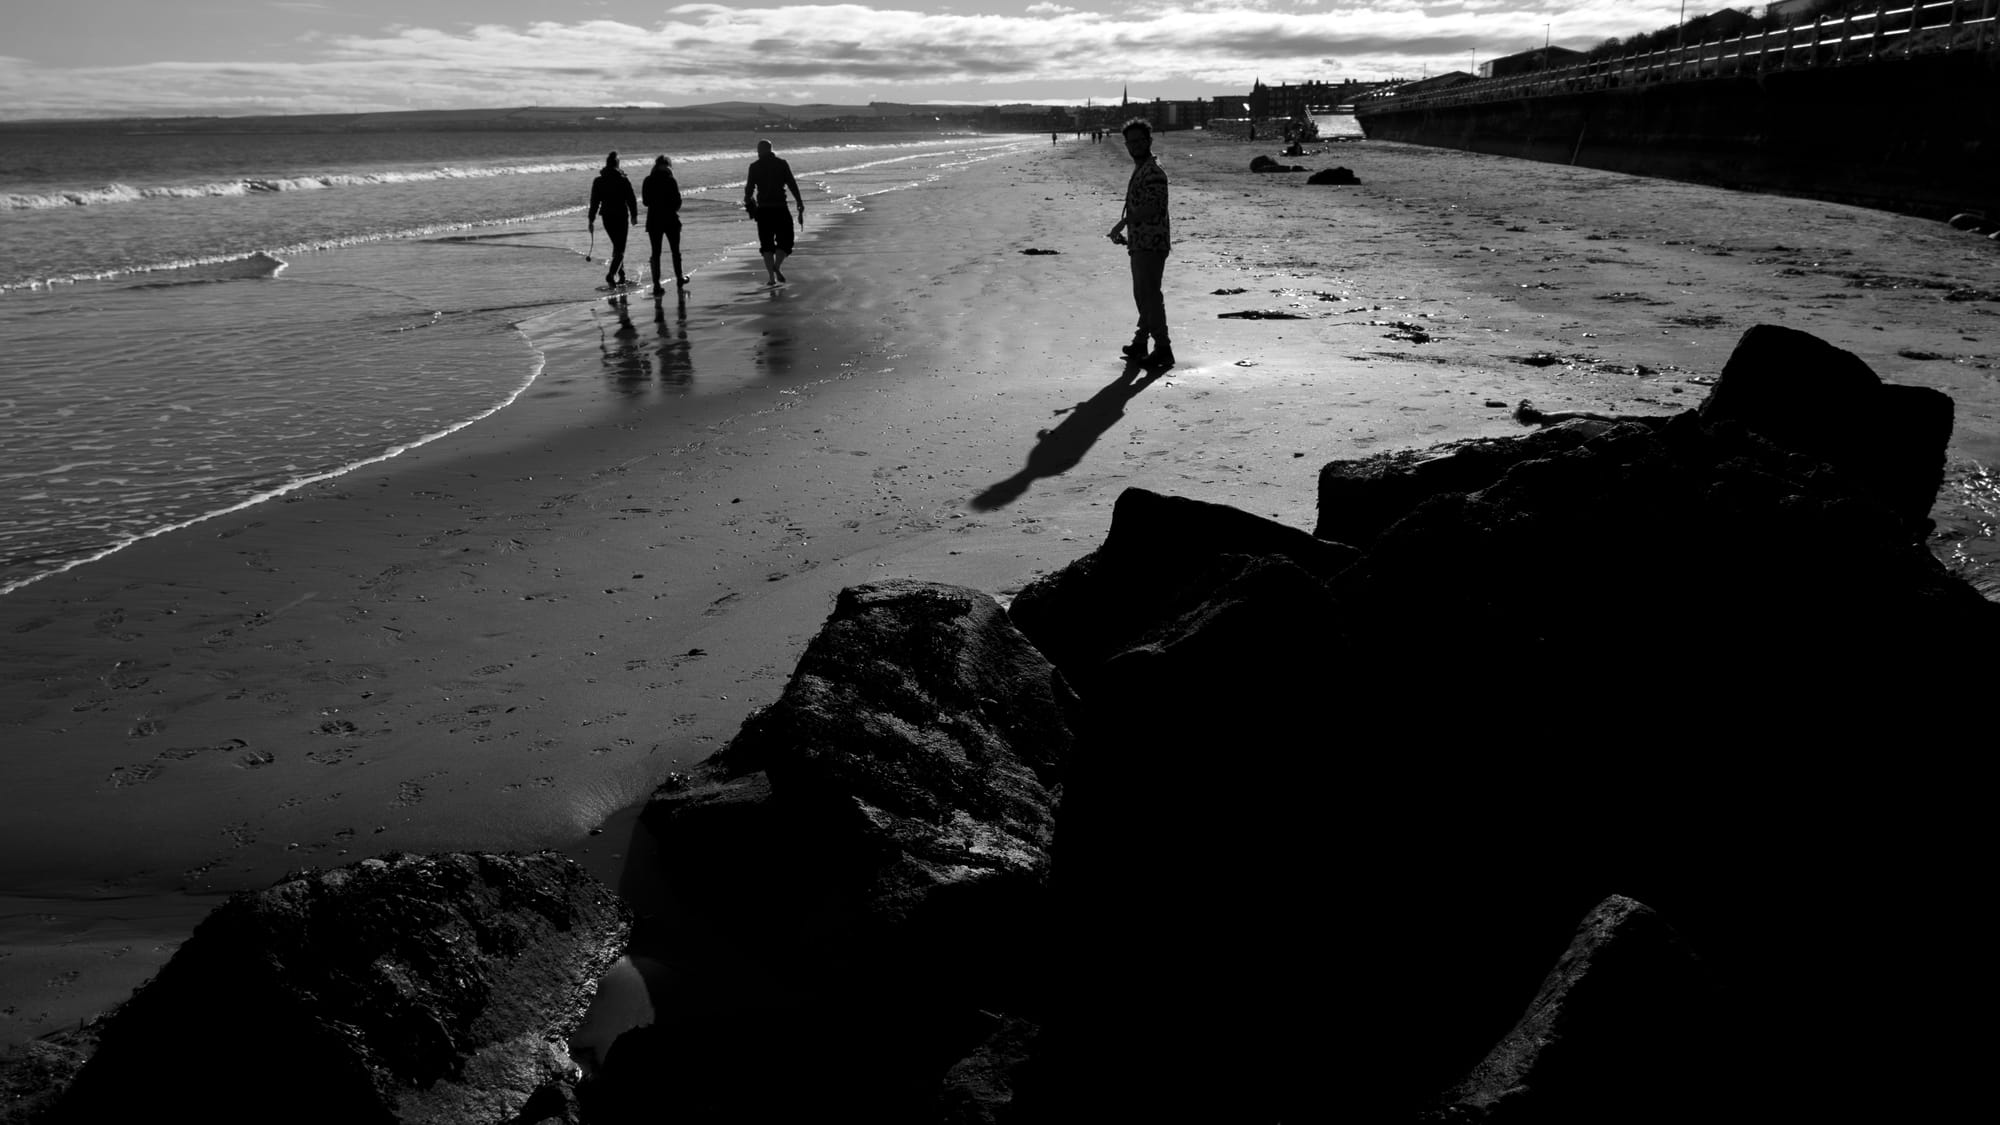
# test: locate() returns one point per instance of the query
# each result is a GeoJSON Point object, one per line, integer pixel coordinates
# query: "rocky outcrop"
{"type": "Point", "coordinates": [435, 989]}
{"type": "Point", "coordinates": [1322, 807]}
{"type": "Point", "coordinates": [1628, 1026]}
{"type": "Point", "coordinates": [875, 844]}
{"type": "Point", "coordinates": [1160, 553]}
{"type": "Point", "coordinates": [1887, 441]}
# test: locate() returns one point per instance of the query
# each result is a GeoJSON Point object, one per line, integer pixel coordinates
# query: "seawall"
{"type": "Point", "coordinates": [1916, 135]}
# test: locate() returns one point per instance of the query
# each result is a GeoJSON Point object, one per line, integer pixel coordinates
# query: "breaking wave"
{"type": "Point", "coordinates": [123, 193]}
{"type": "Point", "coordinates": [260, 263]}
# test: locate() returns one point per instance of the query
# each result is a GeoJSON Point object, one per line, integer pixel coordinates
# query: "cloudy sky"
{"type": "Point", "coordinates": [102, 58]}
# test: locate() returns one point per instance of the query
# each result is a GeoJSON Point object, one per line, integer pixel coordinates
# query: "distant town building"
{"type": "Point", "coordinates": [1304, 99]}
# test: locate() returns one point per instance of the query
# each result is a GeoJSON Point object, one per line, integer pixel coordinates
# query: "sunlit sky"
{"type": "Point", "coordinates": [106, 58]}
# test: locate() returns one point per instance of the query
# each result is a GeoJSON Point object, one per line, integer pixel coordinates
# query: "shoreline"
{"type": "Point", "coordinates": [506, 637]}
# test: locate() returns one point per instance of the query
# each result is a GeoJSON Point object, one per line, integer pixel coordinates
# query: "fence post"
{"type": "Point", "coordinates": [1953, 26]}
{"type": "Point", "coordinates": [1875, 40]}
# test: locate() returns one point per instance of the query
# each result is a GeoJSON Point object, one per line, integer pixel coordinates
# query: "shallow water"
{"type": "Point", "coordinates": [232, 317]}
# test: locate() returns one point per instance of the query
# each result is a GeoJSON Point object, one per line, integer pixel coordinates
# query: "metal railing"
{"type": "Point", "coordinates": [1922, 28]}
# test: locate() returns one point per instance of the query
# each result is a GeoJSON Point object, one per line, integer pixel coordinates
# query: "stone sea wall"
{"type": "Point", "coordinates": [1919, 135]}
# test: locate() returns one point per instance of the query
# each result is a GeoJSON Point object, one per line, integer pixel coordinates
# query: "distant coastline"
{"type": "Point", "coordinates": [874, 117]}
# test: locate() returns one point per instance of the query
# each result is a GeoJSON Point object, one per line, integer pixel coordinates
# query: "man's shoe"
{"type": "Point", "coordinates": [1161, 359]}
{"type": "Point", "coordinates": [1136, 350]}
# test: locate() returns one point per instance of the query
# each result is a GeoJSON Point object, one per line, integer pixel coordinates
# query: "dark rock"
{"type": "Point", "coordinates": [1339, 175]}
{"type": "Point", "coordinates": [1157, 546]}
{"type": "Point", "coordinates": [872, 848]}
{"type": "Point", "coordinates": [1358, 500]}
{"type": "Point", "coordinates": [401, 989]}
{"type": "Point", "coordinates": [34, 1075]}
{"type": "Point", "coordinates": [1557, 540]}
{"type": "Point", "coordinates": [1186, 929]}
{"type": "Point", "coordinates": [1813, 398]}
{"type": "Point", "coordinates": [913, 760]}
{"type": "Point", "coordinates": [1266, 164]}
{"type": "Point", "coordinates": [979, 1088]}
{"type": "Point", "coordinates": [1629, 1026]}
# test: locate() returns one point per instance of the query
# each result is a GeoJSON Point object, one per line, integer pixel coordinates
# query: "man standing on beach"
{"type": "Point", "coordinates": [1146, 218]}
{"type": "Point", "coordinates": [611, 194]}
{"type": "Point", "coordinates": [764, 197]}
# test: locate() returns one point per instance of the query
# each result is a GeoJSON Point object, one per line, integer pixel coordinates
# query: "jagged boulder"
{"type": "Point", "coordinates": [909, 770]}
{"type": "Point", "coordinates": [1822, 401]}
{"type": "Point", "coordinates": [874, 848]}
{"type": "Point", "coordinates": [406, 988]}
{"type": "Point", "coordinates": [1155, 556]}
{"type": "Point", "coordinates": [1359, 499]}
{"type": "Point", "coordinates": [1629, 1026]}
{"type": "Point", "coordinates": [979, 1088]}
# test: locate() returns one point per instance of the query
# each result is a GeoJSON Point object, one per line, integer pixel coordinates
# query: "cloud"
{"type": "Point", "coordinates": [706, 51]}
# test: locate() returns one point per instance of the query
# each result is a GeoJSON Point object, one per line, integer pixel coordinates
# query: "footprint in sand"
{"type": "Point", "coordinates": [123, 776]}
{"type": "Point", "coordinates": [255, 760]}
{"type": "Point", "coordinates": [146, 728]}
{"type": "Point", "coordinates": [408, 793]}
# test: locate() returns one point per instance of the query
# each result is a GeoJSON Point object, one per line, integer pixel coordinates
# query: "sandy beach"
{"type": "Point", "coordinates": [504, 639]}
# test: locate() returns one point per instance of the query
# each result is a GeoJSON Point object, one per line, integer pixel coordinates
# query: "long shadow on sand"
{"type": "Point", "coordinates": [1058, 450]}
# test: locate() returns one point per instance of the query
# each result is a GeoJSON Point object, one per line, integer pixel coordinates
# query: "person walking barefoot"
{"type": "Point", "coordinates": [1145, 217]}
{"type": "Point", "coordinates": [662, 194]}
{"type": "Point", "coordinates": [764, 198]}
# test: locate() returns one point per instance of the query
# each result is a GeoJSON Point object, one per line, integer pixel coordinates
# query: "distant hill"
{"type": "Point", "coordinates": [648, 119]}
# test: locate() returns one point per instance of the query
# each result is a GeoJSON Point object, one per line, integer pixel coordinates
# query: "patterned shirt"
{"type": "Point", "coordinates": [1146, 209]}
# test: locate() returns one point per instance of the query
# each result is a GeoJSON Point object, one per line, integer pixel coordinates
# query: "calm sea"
{"type": "Point", "coordinates": [193, 323]}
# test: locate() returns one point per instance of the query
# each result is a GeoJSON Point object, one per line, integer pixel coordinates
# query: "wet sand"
{"type": "Point", "coordinates": [504, 638]}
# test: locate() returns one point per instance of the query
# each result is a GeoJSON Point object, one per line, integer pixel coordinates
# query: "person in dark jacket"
{"type": "Point", "coordinates": [662, 194]}
{"type": "Point", "coordinates": [764, 198]}
{"type": "Point", "coordinates": [611, 195]}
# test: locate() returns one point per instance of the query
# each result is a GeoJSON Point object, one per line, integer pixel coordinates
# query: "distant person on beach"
{"type": "Point", "coordinates": [764, 197]}
{"type": "Point", "coordinates": [611, 195]}
{"type": "Point", "coordinates": [662, 194]}
{"type": "Point", "coordinates": [1145, 218]}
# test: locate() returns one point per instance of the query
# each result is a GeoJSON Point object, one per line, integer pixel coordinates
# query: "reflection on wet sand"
{"type": "Point", "coordinates": [623, 361]}
{"type": "Point", "coordinates": [632, 365]}
{"type": "Point", "coordinates": [672, 355]}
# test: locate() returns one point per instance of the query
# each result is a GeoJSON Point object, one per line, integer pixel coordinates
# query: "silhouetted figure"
{"type": "Point", "coordinates": [1145, 216]}
{"type": "Point", "coordinates": [764, 197]}
{"type": "Point", "coordinates": [611, 195]}
{"type": "Point", "coordinates": [662, 194]}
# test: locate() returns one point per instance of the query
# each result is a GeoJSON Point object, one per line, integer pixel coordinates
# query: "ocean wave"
{"type": "Point", "coordinates": [266, 263]}
{"type": "Point", "coordinates": [125, 193]}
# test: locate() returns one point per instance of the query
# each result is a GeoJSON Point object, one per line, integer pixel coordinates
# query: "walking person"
{"type": "Point", "coordinates": [764, 197]}
{"type": "Point", "coordinates": [611, 196]}
{"type": "Point", "coordinates": [1145, 218]}
{"type": "Point", "coordinates": [662, 194]}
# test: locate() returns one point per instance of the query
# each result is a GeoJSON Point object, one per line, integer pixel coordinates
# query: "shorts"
{"type": "Point", "coordinates": [774, 230]}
